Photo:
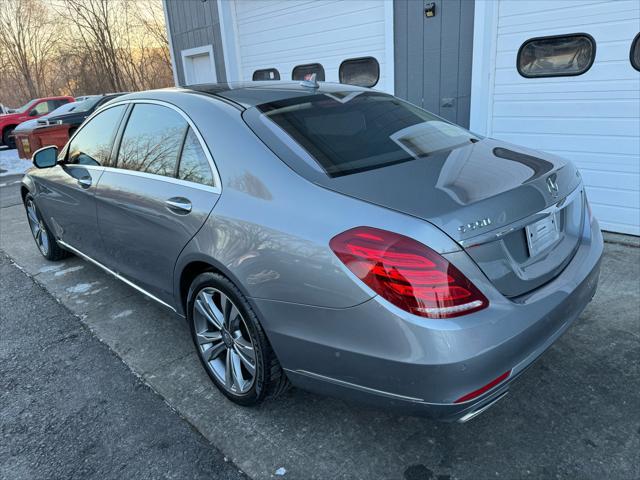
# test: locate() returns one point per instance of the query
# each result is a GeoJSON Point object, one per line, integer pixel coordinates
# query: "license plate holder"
{"type": "Point", "coordinates": [542, 234]}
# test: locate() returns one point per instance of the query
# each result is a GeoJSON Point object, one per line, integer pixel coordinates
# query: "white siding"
{"type": "Point", "coordinates": [592, 119]}
{"type": "Point", "coordinates": [283, 34]}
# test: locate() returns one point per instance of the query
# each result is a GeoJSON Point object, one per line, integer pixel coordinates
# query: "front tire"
{"type": "Point", "coordinates": [231, 343]}
{"type": "Point", "coordinates": [7, 139]}
{"type": "Point", "coordinates": [45, 241]}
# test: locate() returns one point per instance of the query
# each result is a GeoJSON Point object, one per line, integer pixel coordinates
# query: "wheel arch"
{"type": "Point", "coordinates": [189, 268]}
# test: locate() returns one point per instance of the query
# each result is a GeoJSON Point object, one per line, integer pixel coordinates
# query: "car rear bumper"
{"type": "Point", "coordinates": [379, 354]}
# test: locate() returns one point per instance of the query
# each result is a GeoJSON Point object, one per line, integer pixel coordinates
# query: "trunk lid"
{"type": "Point", "coordinates": [488, 196]}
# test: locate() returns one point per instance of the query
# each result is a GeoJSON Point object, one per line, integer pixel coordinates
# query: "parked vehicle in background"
{"type": "Point", "coordinates": [4, 109]}
{"type": "Point", "coordinates": [76, 116]}
{"type": "Point", "coordinates": [23, 136]}
{"type": "Point", "coordinates": [31, 110]}
{"type": "Point", "coordinates": [329, 235]}
{"type": "Point", "coordinates": [58, 126]}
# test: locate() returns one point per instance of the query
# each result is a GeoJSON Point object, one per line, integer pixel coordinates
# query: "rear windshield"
{"type": "Point", "coordinates": [358, 131]}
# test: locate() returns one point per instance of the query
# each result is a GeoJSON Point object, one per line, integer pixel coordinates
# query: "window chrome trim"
{"type": "Point", "coordinates": [117, 275]}
{"type": "Point", "coordinates": [217, 188]}
{"type": "Point", "coordinates": [151, 176]}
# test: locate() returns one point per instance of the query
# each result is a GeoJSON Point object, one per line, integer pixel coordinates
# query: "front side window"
{"type": "Point", "coordinates": [304, 72]}
{"type": "Point", "coordinates": [363, 72]}
{"type": "Point", "coordinates": [152, 140]}
{"type": "Point", "coordinates": [42, 108]}
{"type": "Point", "coordinates": [92, 145]}
{"type": "Point", "coordinates": [360, 131]}
{"type": "Point", "coordinates": [561, 55]}
{"type": "Point", "coordinates": [194, 166]}
{"type": "Point", "coordinates": [266, 74]}
{"type": "Point", "coordinates": [634, 54]}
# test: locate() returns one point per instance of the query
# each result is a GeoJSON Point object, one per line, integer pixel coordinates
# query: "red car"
{"type": "Point", "coordinates": [33, 109]}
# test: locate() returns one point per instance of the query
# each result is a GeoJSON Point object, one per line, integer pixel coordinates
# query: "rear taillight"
{"type": "Point", "coordinates": [407, 273]}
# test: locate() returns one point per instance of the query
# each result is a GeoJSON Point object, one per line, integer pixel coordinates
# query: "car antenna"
{"type": "Point", "coordinates": [310, 82]}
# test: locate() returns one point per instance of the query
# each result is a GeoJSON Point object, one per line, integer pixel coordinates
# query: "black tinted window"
{"type": "Point", "coordinates": [356, 131]}
{"type": "Point", "coordinates": [194, 166]}
{"type": "Point", "coordinates": [363, 72]}
{"type": "Point", "coordinates": [304, 72]}
{"type": "Point", "coordinates": [266, 74]}
{"type": "Point", "coordinates": [92, 144]}
{"type": "Point", "coordinates": [151, 140]}
{"type": "Point", "coordinates": [556, 56]}
{"type": "Point", "coordinates": [634, 54]}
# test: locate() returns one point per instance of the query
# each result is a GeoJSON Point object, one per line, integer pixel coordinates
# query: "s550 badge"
{"type": "Point", "coordinates": [485, 222]}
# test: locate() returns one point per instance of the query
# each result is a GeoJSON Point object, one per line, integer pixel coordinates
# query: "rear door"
{"type": "Point", "coordinates": [156, 198]}
{"type": "Point", "coordinates": [66, 193]}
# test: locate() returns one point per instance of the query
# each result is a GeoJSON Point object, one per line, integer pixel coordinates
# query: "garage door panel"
{"type": "Point", "coordinates": [579, 125]}
{"type": "Point", "coordinates": [622, 144]}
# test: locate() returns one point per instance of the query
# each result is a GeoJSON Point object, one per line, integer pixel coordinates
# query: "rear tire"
{"type": "Point", "coordinates": [7, 139]}
{"type": "Point", "coordinates": [240, 338]}
{"type": "Point", "coordinates": [45, 240]}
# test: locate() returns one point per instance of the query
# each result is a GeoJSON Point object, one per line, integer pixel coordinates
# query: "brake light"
{"type": "Point", "coordinates": [486, 388]}
{"type": "Point", "coordinates": [407, 273]}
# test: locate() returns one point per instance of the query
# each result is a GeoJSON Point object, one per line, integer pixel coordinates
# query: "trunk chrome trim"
{"type": "Point", "coordinates": [493, 235]}
{"type": "Point", "coordinates": [117, 275]}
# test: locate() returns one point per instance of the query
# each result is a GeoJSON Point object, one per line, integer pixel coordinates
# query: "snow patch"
{"type": "Point", "coordinates": [81, 287]}
{"type": "Point", "coordinates": [51, 268]}
{"type": "Point", "coordinates": [281, 471]}
{"type": "Point", "coordinates": [11, 164]}
{"type": "Point", "coordinates": [124, 313]}
{"type": "Point", "coordinates": [68, 270]}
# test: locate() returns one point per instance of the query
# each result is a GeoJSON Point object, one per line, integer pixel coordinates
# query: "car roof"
{"type": "Point", "coordinates": [249, 94]}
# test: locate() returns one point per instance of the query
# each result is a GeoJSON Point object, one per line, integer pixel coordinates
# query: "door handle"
{"type": "Point", "coordinates": [178, 204]}
{"type": "Point", "coordinates": [84, 182]}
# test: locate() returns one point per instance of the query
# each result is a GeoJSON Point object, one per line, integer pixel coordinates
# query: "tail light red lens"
{"type": "Point", "coordinates": [486, 388]}
{"type": "Point", "coordinates": [407, 273]}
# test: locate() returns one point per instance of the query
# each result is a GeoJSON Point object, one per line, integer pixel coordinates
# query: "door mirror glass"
{"type": "Point", "coordinates": [45, 157]}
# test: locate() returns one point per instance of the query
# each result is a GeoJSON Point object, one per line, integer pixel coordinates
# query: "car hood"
{"type": "Point", "coordinates": [69, 117]}
{"type": "Point", "coordinates": [469, 190]}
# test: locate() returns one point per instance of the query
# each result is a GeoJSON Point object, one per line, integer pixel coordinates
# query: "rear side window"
{"type": "Point", "coordinates": [634, 54]}
{"type": "Point", "coordinates": [92, 145]}
{"type": "Point", "coordinates": [561, 55]}
{"type": "Point", "coordinates": [361, 130]}
{"type": "Point", "coordinates": [152, 140]}
{"type": "Point", "coordinates": [363, 72]}
{"type": "Point", "coordinates": [304, 72]}
{"type": "Point", "coordinates": [194, 166]}
{"type": "Point", "coordinates": [266, 74]}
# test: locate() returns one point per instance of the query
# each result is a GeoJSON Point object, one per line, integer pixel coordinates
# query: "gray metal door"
{"type": "Point", "coordinates": [433, 51]}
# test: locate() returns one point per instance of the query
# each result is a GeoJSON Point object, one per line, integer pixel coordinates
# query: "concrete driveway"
{"type": "Point", "coordinates": [574, 414]}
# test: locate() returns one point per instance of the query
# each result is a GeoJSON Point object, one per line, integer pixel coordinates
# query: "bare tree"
{"type": "Point", "coordinates": [28, 40]}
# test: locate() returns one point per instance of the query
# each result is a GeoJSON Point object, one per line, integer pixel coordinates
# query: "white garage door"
{"type": "Point", "coordinates": [286, 33]}
{"type": "Point", "coordinates": [592, 119]}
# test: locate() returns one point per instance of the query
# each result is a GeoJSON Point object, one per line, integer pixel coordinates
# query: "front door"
{"type": "Point", "coordinates": [67, 191]}
{"type": "Point", "coordinates": [156, 198]}
{"type": "Point", "coordinates": [433, 53]}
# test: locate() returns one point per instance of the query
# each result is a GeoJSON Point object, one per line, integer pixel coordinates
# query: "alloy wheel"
{"type": "Point", "coordinates": [38, 228]}
{"type": "Point", "coordinates": [224, 341]}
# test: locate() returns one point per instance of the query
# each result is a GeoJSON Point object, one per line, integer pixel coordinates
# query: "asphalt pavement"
{"type": "Point", "coordinates": [574, 415]}
{"type": "Point", "coordinates": [70, 409]}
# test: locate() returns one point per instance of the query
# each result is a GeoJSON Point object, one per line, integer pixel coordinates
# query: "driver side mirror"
{"type": "Point", "coordinates": [46, 157]}
{"type": "Point", "coordinates": [33, 113]}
